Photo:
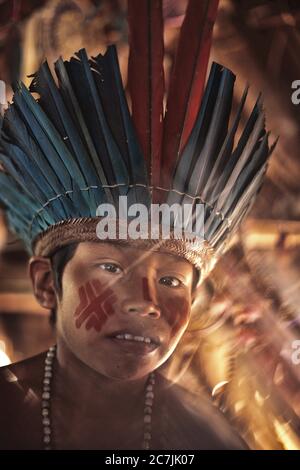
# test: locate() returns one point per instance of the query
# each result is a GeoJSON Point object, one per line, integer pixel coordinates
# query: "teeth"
{"type": "Point", "coordinates": [130, 337]}
{"type": "Point", "coordinates": [138, 338]}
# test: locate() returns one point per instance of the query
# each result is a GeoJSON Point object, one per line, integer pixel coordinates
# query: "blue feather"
{"type": "Point", "coordinates": [109, 83]}
{"type": "Point", "coordinates": [197, 138]}
{"type": "Point", "coordinates": [71, 101]}
{"type": "Point", "coordinates": [51, 144]}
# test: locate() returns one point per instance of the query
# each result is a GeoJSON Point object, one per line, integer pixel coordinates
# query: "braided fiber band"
{"type": "Point", "coordinates": [196, 251]}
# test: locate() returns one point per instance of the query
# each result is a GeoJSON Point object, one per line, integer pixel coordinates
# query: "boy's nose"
{"type": "Point", "coordinates": [141, 301]}
{"type": "Point", "coordinates": [141, 298]}
{"type": "Point", "coordinates": [141, 307]}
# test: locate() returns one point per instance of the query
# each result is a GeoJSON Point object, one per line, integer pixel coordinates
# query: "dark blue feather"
{"type": "Point", "coordinates": [71, 101]}
{"type": "Point", "coordinates": [198, 135]}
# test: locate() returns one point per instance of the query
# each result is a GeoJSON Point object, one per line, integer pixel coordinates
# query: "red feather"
{"type": "Point", "coordinates": [187, 81]}
{"type": "Point", "coordinates": [146, 78]}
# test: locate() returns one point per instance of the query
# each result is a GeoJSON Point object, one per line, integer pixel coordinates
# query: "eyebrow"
{"type": "Point", "coordinates": [177, 261]}
{"type": "Point", "coordinates": [117, 250]}
{"type": "Point", "coordinates": [111, 246]}
{"type": "Point", "coordinates": [176, 266]}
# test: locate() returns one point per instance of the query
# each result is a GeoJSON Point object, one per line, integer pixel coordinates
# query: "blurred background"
{"type": "Point", "coordinates": [241, 346]}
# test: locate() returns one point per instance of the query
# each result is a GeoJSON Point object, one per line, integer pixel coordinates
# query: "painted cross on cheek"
{"type": "Point", "coordinates": [96, 305]}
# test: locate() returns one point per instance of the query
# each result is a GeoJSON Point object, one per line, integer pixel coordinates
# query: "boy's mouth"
{"type": "Point", "coordinates": [135, 342]}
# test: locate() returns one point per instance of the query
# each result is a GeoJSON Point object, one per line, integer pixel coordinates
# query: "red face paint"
{"type": "Point", "coordinates": [176, 311]}
{"type": "Point", "coordinates": [96, 305]}
{"type": "Point", "coordinates": [146, 291]}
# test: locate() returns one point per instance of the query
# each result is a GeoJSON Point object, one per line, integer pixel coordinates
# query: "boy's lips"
{"type": "Point", "coordinates": [135, 335]}
{"type": "Point", "coordinates": [134, 341]}
{"type": "Point", "coordinates": [136, 347]}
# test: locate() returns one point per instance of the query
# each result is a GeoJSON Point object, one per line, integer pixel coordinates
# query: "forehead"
{"type": "Point", "coordinates": [129, 254]}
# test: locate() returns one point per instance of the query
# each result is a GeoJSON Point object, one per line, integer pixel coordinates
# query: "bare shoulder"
{"type": "Point", "coordinates": [16, 379]}
{"type": "Point", "coordinates": [20, 397]}
{"type": "Point", "coordinates": [196, 423]}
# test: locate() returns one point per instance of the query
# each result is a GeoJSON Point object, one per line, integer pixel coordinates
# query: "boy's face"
{"type": "Point", "coordinates": [110, 290]}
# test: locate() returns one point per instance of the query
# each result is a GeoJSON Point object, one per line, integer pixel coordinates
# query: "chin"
{"type": "Point", "coordinates": [128, 371]}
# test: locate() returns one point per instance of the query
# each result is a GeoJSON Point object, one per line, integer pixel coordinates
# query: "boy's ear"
{"type": "Point", "coordinates": [40, 272]}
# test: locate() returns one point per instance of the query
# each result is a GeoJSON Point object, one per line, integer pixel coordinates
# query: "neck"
{"type": "Point", "coordinates": [74, 375]}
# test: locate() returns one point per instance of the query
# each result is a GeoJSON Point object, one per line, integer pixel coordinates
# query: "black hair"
{"type": "Point", "coordinates": [59, 261]}
{"type": "Point", "coordinates": [196, 277]}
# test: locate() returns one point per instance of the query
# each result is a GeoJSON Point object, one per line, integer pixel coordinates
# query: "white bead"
{"type": "Point", "coordinates": [149, 402]}
{"type": "Point", "coordinates": [147, 427]}
{"type": "Point", "coordinates": [46, 397]}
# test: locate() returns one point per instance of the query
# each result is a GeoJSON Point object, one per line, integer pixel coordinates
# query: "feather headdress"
{"type": "Point", "coordinates": [78, 145]}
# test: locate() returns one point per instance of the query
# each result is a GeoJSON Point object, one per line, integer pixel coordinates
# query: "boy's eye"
{"type": "Point", "coordinates": [111, 267]}
{"type": "Point", "coordinates": [170, 281]}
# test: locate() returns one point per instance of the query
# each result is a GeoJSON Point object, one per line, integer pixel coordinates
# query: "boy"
{"type": "Point", "coordinates": [123, 299]}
